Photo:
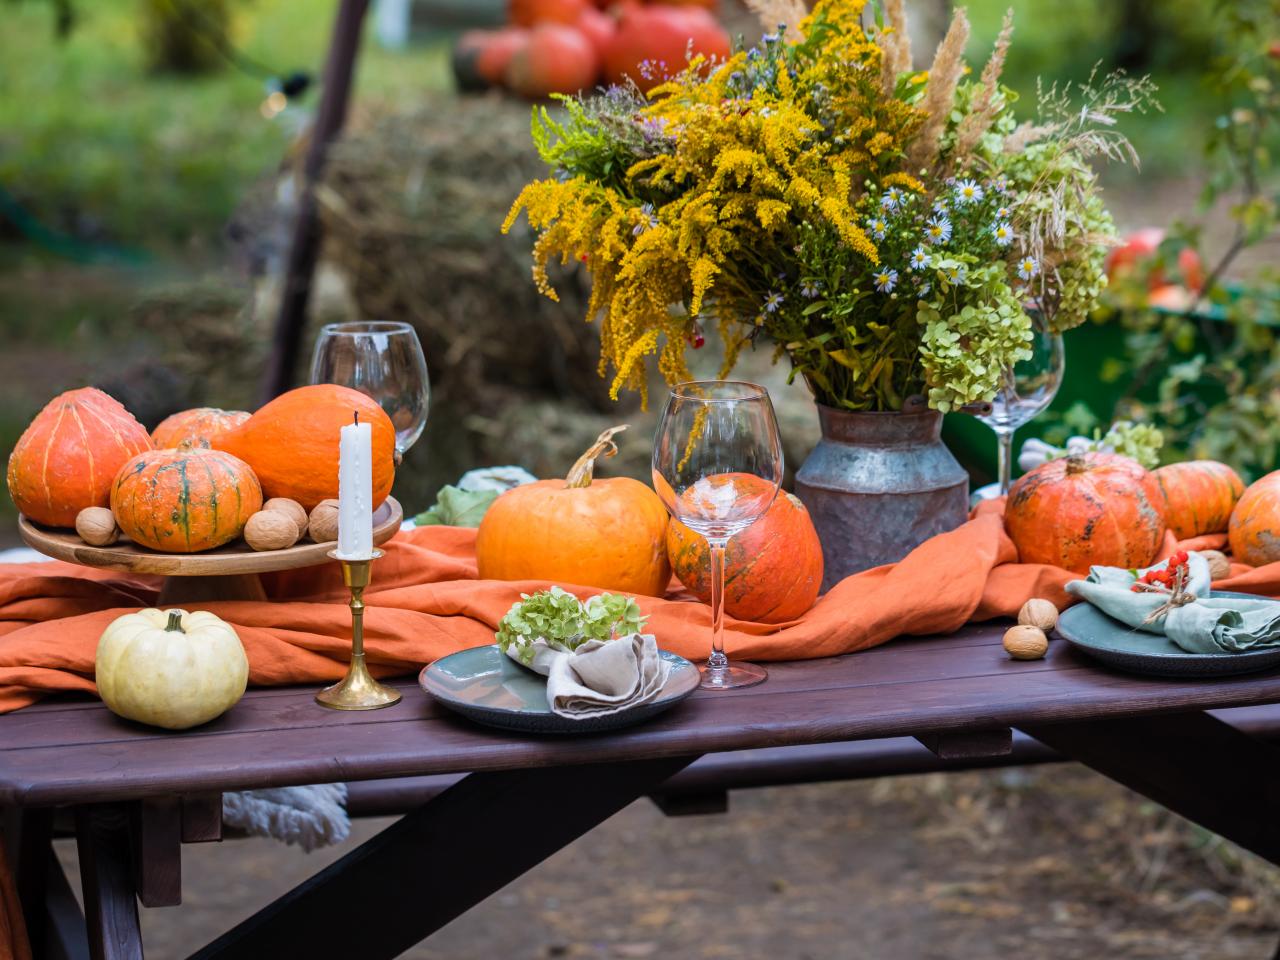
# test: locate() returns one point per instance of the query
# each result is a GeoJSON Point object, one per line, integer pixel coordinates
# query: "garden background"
{"type": "Point", "coordinates": [144, 214]}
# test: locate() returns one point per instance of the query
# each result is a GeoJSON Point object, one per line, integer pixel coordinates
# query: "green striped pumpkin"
{"type": "Point", "coordinates": [184, 501]}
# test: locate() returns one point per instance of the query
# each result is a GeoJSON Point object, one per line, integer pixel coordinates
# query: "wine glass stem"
{"type": "Point", "coordinates": [717, 663]}
{"type": "Point", "coordinates": [1005, 461]}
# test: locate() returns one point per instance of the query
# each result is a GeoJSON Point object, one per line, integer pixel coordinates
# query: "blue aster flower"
{"type": "Point", "coordinates": [1028, 268]}
{"type": "Point", "coordinates": [920, 259]}
{"type": "Point", "coordinates": [1003, 234]}
{"type": "Point", "coordinates": [878, 227]}
{"type": "Point", "coordinates": [886, 280]}
{"type": "Point", "coordinates": [968, 191]}
{"type": "Point", "coordinates": [772, 302]}
{"type": "Point", "coordinates": [891, 199]}
{"type": "Point", "coordinates": [648, 210]}
{"type": "Point", "coordinates": [938, 230]}
{"type": "Point", "coordinates": [810, 289]}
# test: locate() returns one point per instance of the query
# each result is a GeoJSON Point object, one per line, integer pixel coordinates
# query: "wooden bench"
{"type": "Point", "coordinates": [704, 786]}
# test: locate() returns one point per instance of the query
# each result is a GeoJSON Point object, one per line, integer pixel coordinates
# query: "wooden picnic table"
{"type": "Point", "coordinates": [135, 795]}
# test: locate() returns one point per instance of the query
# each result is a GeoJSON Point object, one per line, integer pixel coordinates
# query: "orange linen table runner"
{"type": "Point", "coordinates": [425, 602]}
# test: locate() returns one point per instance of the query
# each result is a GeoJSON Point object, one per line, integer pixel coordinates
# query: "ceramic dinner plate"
{"type": "Point", "coordinates": [1090, 630]}
{"type": "Point", "coordinates": [487, 686]}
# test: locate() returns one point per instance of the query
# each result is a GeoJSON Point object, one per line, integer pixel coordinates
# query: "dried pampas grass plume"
{"type": "Point", "coordinates": [986, 102]}
{"type": "Point", "coordinates": [896, 44]}
{"type": "Point", "coordinates": [780, 13]}
{"type": "Point", "coordinates": [940, 93]}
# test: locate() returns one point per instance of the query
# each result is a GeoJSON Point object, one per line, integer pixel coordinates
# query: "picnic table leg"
{"type": "Point", "coordinates": [1195, 764]}
{"type": "Point", "coordinates": [106, 876]}
{"type": "Point", "coordinates": [437, 862]}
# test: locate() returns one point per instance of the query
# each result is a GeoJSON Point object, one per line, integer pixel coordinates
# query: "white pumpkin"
{"type": "Point", "coordinates": [170, 668]}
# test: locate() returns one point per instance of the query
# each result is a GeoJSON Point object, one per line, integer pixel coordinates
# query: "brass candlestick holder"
{"type": "Point", "coordinates": [357, 690]}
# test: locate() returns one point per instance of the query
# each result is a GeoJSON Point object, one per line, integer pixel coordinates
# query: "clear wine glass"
{"type": "Point", "coordinates": [383, 360]}
{"type": "Point", "coordinates": [1026, 389]}
{"type": "Point", "coordinates": [717, 465]}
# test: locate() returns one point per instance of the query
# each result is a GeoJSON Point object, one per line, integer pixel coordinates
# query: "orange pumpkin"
{"type": "Point", "coordinates": [68, 456]}
{"type": "Point", "coordinates": [1255, 524]}
{"type": "Point", "coordinates": [530, 13]}
{"type": "Point", "coordinates": [292, 443]}
{"type": "Point", "coordinates": [184, 501]}
{"type": "Point", "coordinates": [772, 570]}
{"type": "Point", "coordinates": [1095, 508]}
{"type": "Point", "coordinates": [197, 427]}
{"type": "Point", "coordinates": [663, 36]}
{"type": "Point", "coordinates": [610, 534]}
{"type": "Point", "coordinates": [557, 59]}
{"type": "Point", "coordinates": [1198, 496]}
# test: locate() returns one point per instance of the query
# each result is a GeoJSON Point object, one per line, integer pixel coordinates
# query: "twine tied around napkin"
{"type": "Point", "coordinates": [596, 678]}
{"type": "Point", "coordinates": [1186, 612]}
{"type": "Point", "coordinates": [1179, 594]}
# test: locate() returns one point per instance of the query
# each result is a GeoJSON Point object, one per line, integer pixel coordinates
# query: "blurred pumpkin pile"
{"type": "Point", "coordinates": [203, 479]}
{"type": "Point", "coordinates": [564, 46]}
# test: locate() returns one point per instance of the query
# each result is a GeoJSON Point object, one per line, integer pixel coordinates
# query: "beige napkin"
{"type": "Point", "coordinates": [599, 677]}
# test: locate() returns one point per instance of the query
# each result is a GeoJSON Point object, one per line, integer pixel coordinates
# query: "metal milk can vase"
{"type": "Point", "coordinates": [878, 485]}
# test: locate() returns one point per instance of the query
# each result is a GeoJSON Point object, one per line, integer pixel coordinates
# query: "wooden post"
{"type": "Point", "coordinates": [305, 242]}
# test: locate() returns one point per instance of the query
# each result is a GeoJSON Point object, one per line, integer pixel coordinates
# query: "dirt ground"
{"type": "Point", "coordinates": [1050, 863]}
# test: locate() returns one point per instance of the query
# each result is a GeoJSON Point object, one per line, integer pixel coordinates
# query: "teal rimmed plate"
{"type": "Point", "coordinates": [485, 685]}
{"type": "Point", "coordinates": [1091, 631]}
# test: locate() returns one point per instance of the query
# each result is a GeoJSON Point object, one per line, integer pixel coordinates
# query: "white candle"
{"type": "Point", "coordinates": [355, 492]}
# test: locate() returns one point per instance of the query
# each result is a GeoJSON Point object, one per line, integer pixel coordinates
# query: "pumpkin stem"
{"type": "Point", "coordinates": [580, 474]}
{"type": "Point", "coordinates": [1076, 464]}
{"type": "Point", "coordinates": [175, 622]}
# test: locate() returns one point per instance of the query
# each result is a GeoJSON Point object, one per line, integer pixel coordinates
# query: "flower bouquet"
{"type": "Point", "coordinates": [886, 230]}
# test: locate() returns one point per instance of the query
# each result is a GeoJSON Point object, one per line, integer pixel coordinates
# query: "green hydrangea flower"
{"type": "Point", "coordinates": [558, 617]}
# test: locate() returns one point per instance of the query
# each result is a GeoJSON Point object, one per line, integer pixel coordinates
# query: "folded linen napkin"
{"type": "Point", "coordinates": [599, 677]}
{"type": "Point", "coordinates": [1209, 624]}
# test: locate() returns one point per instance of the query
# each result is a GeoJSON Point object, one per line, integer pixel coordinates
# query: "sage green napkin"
{"type": "Point", "coordinates": [600, 677]}
{"type": "Point", "coordinates": [1208, 625]}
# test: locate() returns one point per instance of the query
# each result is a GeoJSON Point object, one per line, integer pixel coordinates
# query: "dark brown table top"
{"type": "Point", "coordinates": [75, 751]}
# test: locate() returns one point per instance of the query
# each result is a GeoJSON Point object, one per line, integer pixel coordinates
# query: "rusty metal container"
{"type": "Point", "coordinates": [878, 485]}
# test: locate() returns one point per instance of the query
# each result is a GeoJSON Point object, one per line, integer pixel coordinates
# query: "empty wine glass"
{"type": "Point", "coordinates": [717, 466]}
{"type": "Point", "coordinates": [1026, 389]}
{"type": "Point", "coordinates": [383, 360]}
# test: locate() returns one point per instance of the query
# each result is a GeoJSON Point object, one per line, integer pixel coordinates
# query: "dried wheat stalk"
{"type": "Point", "coordinates": [940, 93]}
{"type": "Point", "coordinates": [896, 44]}
{"type": "Point", "coordinates": [986, 102]}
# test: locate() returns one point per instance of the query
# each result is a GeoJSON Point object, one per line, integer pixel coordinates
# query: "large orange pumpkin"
{"type": "Point", "coordinates": [772, 570]}
{"type": "Point", "coordinates": [184, 501]}
{"type": "Point", "coordinates": [197, 427]}
{"type": "Point", "coordinates": [662, 37]}
{"type": "Point", "coordinates": [292, 443]}
{"type": "Point", "coordinates": [609, 534]}
{"type": "Point", "coordinates": [68, 456]}
{"type": "Point", "coordinates": [530, 13]}
{"type": "Point", "coordinates": [557, 59]}
{"type": "Point", "coordinates": [1255, 524]}
{"type": "Point", "coordinates": [1077, 511]}
{"type": "Point", "coordinates": [1198, 496]}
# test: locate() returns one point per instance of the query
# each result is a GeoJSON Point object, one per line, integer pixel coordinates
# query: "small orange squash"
{"type": "Point", "coordinates": [1255, 524]}
{"type": "Point", "coordinates": [292, 443]}
{"type": "Point", "coordinates": [772, 569]}
{"type": "Point", "coordinates": [66, 459]}
{"type": "Point", "coordinates": [197, 427]}
{"type": "Point", "coordinates": [610, 534]}
{"type": "Point", "coordinates": [184, 501]}
{"type": "Point", "coordinates": [1094, 508]}
{"type": "Point", "coordinates": [1198, 496]}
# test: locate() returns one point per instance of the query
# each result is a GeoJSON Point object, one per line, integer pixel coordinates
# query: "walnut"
{"type": "Point", "coordinates": [1039, 613]}
{"type": "Point", "coordinates": [1219, 565]}
{"type": "Point", "coordinates": [292, 508]}
{"type": "Point", "coordinates": [271, 530]}
{"type": "Point", "coordinates": [323, 526]}
{"type": "Point", "coordinates": [97, 526]}
{"type": "Point", "coordinates": [1025, 642]}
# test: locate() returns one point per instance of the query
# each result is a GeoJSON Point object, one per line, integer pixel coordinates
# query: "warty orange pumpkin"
{"type": "Point", "coordinates": [772, 569]}
{"type": "Point", "coordinates": [67, 457]}
{"type": "Point", "coordinates": [1199, 496]}
{"type": "Point", "coordinates": [609, 534]}
{"type": "Point", "coordinates": [184, 501]}
{"type": "Point", "coordinates": [1093, 508]}
{"type": "Point", "coordinates": [1254, 530]}
{"type": "Point", "coordinates": [292, 443]}
{"type": "Point", "coordinates": [197, 427]}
